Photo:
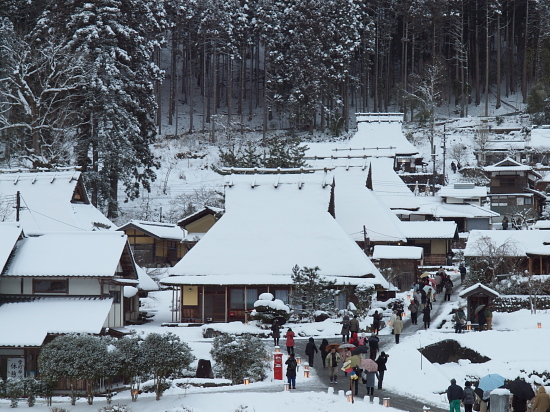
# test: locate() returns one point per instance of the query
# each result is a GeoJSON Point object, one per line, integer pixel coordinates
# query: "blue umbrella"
{"type": "Point", "coordinates": [490, 382]}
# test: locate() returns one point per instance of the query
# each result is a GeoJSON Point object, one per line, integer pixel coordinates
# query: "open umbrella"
{"type": "Point", "coordinates": [479, 308]}
{"type": "Point", "coordinates": [521, 389]}
{"type": "Point", "coordinates": [354, 361]}
{"type": "Point", "coordinates": [427, 288]}
{"type": "Point", "coordinates": [490, 382]}
{"type": "Point", "coordinates": [332, 345]}
{"type": "Point", "coordinates": [359, 350]}
{"type": "Point", "coordinates": [425, 274]}
{"type": "Point", "coordinates": [369, 365]}
{"type": "Point", "coordinates": [346, 346]}
{"type": "Point", "coordinates": [482, 394]}
{"type": "Point", "coordinates": [433, 282]}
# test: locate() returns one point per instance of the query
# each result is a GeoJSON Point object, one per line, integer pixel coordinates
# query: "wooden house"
{"type": "Point", "coordinates": [435, 238]}
{"type": "Point", "coordinates": [155, 244]}
{"type": "Point", "coordinates": [197, 224]}
{"type": "Point", "coordinates": [399, 264]}
{"type": "Point", "coordinates": [272, 222]}
{"type": "Point", "coordinates": [512, 189]}
{"type": "Point", "coordinates": [63, 282]}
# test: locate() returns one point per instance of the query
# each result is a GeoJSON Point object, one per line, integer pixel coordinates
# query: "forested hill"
{"type": "Point", "coordinates": [94, 82]}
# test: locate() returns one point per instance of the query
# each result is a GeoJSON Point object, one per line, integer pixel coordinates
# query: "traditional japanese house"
{"type": "Point", "coordinates": [272, 223]}
{"type": "Point", "coordinates": [197, 224]}
{"type": "Point", "coordinates": [155, 244]}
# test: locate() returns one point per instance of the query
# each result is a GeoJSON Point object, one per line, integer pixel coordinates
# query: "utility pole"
{"type": "Point", "coordinates": [17, 205]}
{"type": "Point", "coordinates": [444, 147]}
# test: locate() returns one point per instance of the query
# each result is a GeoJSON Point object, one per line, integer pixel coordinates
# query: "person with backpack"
{"type": "Point", "coordinates": [354, 325]}
{"type": "Point", "coordinates": [291, 366]}
{"type": "Point", "coordinates": [469, 396]}
{"type": "Point", "coordinates": [311, 350]}
{"type": "Point", "coordinates": [323, 350]}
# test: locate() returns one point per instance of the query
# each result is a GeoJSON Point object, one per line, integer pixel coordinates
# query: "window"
{"type": "Point", "coordinates": [282, 295]}
{"type": "Point", "coordinates": [251, 298]}
{"type": "Point", "coordinates": [115, 294]}
{"type": "Point", "coordinates": [507, 181]}
{"type": "Point", "coordinates": [528, 200]}
{"type": "Point", "coordinates": [50, 285]}
{"type": "Point", "coordinates": [236, 299]}
{"type": "Point", "coordinates": [520, 201]}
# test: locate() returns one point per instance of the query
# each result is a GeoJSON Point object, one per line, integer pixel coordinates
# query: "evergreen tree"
{"type": "Point", "coordinates": [312, 291]}
{"type": "Point", "coordinates": [167, 356]}
{"type": "Point", "coordinates": [133, 362]}
{"type": "Point", "coordinates": [238, 357]}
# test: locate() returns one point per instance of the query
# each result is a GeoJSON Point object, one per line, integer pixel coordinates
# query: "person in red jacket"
{"type": "Point", "coordinates": [290, 341]}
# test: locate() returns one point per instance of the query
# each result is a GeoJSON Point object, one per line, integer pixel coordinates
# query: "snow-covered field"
{"type": "Point", "coordinates": [516, 347]}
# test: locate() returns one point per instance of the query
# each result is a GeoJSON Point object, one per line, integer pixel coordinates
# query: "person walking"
{"type": "Point", "coordinates": [382, 368]}
{"type": "Point", "coordinates": [427, 316]}
{"type": "Point", "coordinates": [291, 366]}
{"type": "Point", "coordinates": [370, 381]}
{"type": "Point", "coordinates": [311, 350]}
{"type": "Point", "coordinates": [289, 336]}
{"type": "Point", "coordinates": [462, 270]}
{"type": "Point", "coordinates": [331, 362]}
{"type": "Point", "coordinates": [376, 318]}
{"type": "Point", "coordinates": [413, 309]}
{"type": "Point", "coordinates": [469, 396]}
{"type": "Point", "coordinates": [276, 332]}
{"type": "Point", "coordinates": [373, 345]}
{"type": "Point", "coordinates": [448, 290]}
{"type": "Point", "coordinates": [354, 325]}
{"type": "Point", "coordinates": [454, 394]}
{"type": "Point", "coordinates": [359, 372]}
{"type": "Point", "coordinates": [481, 320]}
{"type": "Point", "coordinates": [323, 350]}
{"type": "Point", "coordinates": [345, 329]}
{"type": "Point", "coordinates": [541, 402]}
{"type": "Point", "coordinates": [397, 328]}
{"type": "Point", "coordinates": [459, 319]}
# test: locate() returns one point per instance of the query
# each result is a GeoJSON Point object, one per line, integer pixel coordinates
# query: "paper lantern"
{"type": "Point", "coordinates": [298, 360]}
{"type": "Point", "coordinates": [349, 396]}
{"type": "Point", "coordinates": [468, 325]}
{"type": "Point", "coordinates": [306, 374]}
{"type": "Point", "coordinates": [277, 349]}
{"type": "Point", "coordinates": [539, 325]}
{"type": "Point", "coordinates": [306, 366]}
{"type": "Point", "coordinates": [287, 386]}
{"type": "Point", "coordinates": [386, 402]}
{"type": "Point", "coordinates": [246, 381]}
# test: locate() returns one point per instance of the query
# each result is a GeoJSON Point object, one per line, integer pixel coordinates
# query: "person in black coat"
{"type": "Point", "coordinates": [276, 332]}
{"type": "Point", "coordinates": [323, 350]}
{"type": "Point", "coordinates": [291, 366]}
{"type": "Point", "coordinates": [381, 362]}
{"type": "Point", "coordinates": [427, 311]}
{"type": "Point", "coordinates": [373, 345]}
{"type": "Point", "coordinates": [311, 350]}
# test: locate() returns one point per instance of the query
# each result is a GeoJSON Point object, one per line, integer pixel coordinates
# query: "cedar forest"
{"type": "Point", "coordinates": [95, 83]}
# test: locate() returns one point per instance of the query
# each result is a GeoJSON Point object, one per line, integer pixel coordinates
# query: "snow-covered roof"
{"type": "Point", "coordinates": [429, 230]}
{"type": "Point", "coordinates": [9, 234]}
{"type": "Point", "coordinates": [68, 254]}
{"type": "Point", "coordinates": [46, 202]}
{"type": "Point", "coordinates": [507, 242]}
{"type": "Point", "coordinates": [382, 133]}
{"type": "Point", "coordinates": [390, 187]}
{"type": "Point", "coordinates": [357, 207]}
{"type": "Point", "coordinates": [200, 213]}
{"type": "Point", "coordinates": [539, 139]}
{"type": "Point", "coordinates": [397, 252]}
{"type": "Point", "coordinates": [463, 191]}
{"type": "Point", "coordinates": [272, 223]}
{"type": "Point", "coordinates": [28, 323]}
{"type": "Point", "coordinates": [156, 229]}
{"type": "Point", "coordinates": [477, 286]}
{"type": "Point", "coordinates": [145, 281]}
{"type": "Point", "coordinates": [509, 165]}
{"type": "Point", "coordinates": [434, 206]}
{"type": "Point", "coordinates": [499, 145]}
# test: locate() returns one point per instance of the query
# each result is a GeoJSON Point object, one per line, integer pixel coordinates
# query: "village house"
{"type": "Point", "coordinates": [272, 223]}
{"type": "Point", "coordinates": [197, 224]}
{"type": "Point", "coordinates": [155, 244]}
{"type": "Point", "coordinates": [435, 238]}
{"type": "Point", "coordinates": [512, 191]}
{"type": "Point", "coordinates": [62, 282]}
{"type": "Point", "coordinates": [45, 201]}
{"type": "Point", "coordinates": [399, 264]}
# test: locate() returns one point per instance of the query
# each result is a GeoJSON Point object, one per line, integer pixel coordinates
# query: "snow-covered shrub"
{"type": "Point", "coordinates": [312, 291]}
{"type": "Point", "coordinates": [167, 356]}
{"type": "Point", "coordinates": [363, 294]}
{"type": "Point", "coordinates": [14, 390]}
{"type": "Point", "coordinates": [134, 364]}
{"type": "Point", "coordinates": [237, 357]}
{"type": "Point", "coordinates": [267, 308]}
{"type": "Point", "coordinates": [115, 408]}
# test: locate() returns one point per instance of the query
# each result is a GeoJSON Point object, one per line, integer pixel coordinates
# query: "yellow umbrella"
{"type": "Point", "coordinates": [354, 361]}
{"type": "Point", "coordinates": [425, 274]}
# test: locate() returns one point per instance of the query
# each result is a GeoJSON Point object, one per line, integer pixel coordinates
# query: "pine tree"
{"type": "Point", "coordinates": [312, 291]}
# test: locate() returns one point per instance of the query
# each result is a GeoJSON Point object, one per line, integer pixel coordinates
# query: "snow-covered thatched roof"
{"type": "Point", "coordinates": [463, 191]}
{"type": "Point", "coordinates": [374, 130]}
{"type": "Point", "coordinates": [478, 287]}
{"type": "Point", "coordinates": [51, 201]}
{"type": "Point", "coordinates": [390, 187]}
{"type": "Point", "coordinates": [434, 206]}
{"type": "Point", "coordinates": [429, 230]}
{"type": "Point", "coordinates": [9, 234]}
{"type": "Point", "coordinates": [68, 254]}
{"type": "Point", "coordinates": [28, 323]}
{"type": "Point", "coordinates": [539, 139]}
{"type": "Point", "coordinates": [397, 252]}
{"type": "Point", "coordinates": [271, 224]}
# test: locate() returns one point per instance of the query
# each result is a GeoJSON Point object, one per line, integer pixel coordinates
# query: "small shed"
{"type": "Point", "coordinates": [399, 264]}
{"type": "Point", "coordinates": [476, 295]}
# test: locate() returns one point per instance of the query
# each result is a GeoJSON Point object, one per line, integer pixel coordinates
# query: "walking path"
{"type": "Point", "coordinates": [320, 380]}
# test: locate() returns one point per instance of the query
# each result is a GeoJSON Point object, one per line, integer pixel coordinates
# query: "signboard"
{"type": "Point", "coordinates": [16, 368]}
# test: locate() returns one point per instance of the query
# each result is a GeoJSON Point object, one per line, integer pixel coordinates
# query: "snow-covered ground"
{"type": "Point", "coordinates": [516, 347]}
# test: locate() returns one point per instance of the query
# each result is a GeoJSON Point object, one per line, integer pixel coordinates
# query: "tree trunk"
{"type": "Point", "coordinates": [525, 48]}
{"type": "Point", "coordinates": [498, 103]}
